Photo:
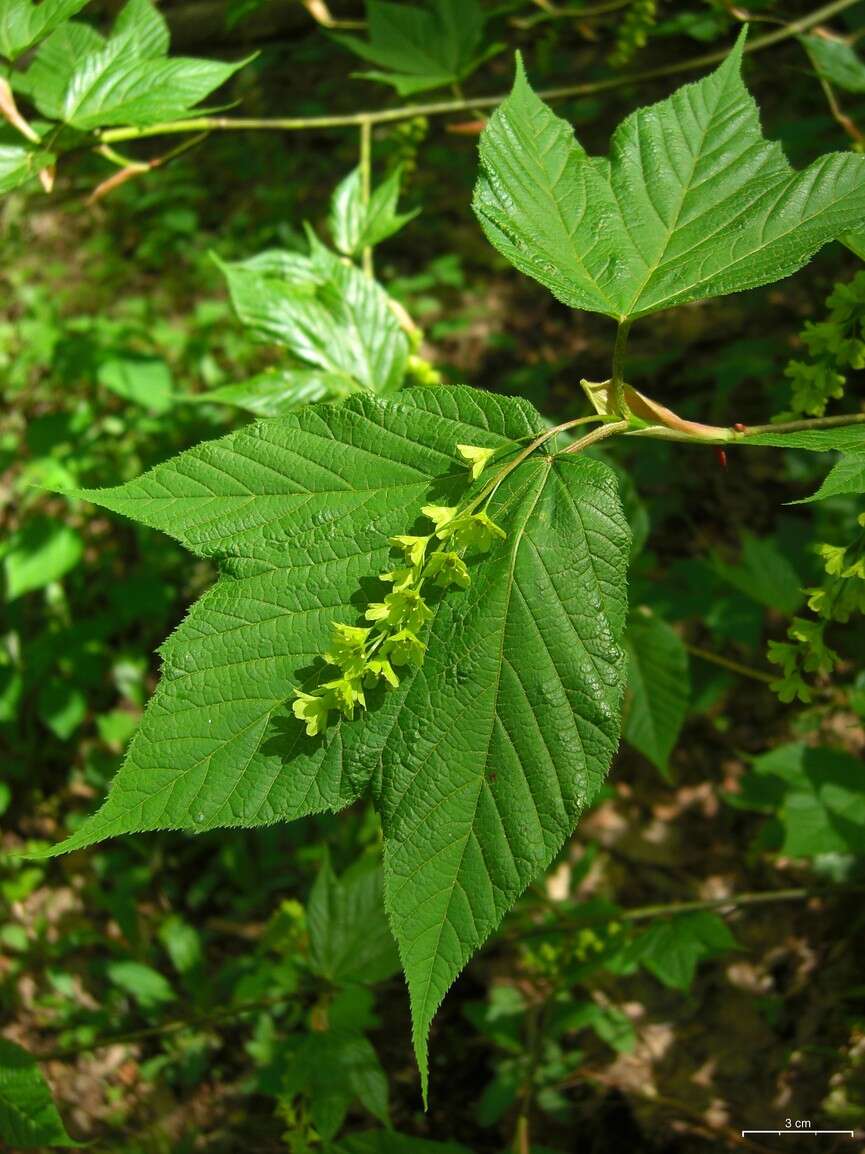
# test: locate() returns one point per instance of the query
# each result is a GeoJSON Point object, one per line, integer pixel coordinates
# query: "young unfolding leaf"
{"type": "Point", "coordinates": [334, 320]}
{"type": "Point", "coordinates": [422, 48]}
{"type": "Point", "coordinates": [693, 202]}
{"type": "Point", "coordinates": [354, 225]}
{"type": "Point", "coordinates": [23, 22]}
{"type": "Point", "coordinates": [88, 81]}
{"type": "Point", "coordinates": [481, 760]}
{"type": "Point", "coordinates": [658, 688]}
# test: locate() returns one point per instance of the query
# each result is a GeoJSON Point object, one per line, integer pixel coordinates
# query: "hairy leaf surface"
{"type": "Point", "coordinates": [482, 759]}
{"type": "Point", "coordinates": [693, 202]}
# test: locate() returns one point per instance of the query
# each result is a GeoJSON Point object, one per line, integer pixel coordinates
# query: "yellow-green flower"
{"type": "Point", "coordinates": [441, 516]}
{"type": "Point", "coordinates": [447, 568]}
{"type": "Point", "coordinates": [413, 547]}
{"type": "Point", "coordinates": [347, 693]}
{"type": "Point", "coordinates": [313, 708]}
{"type": "Point", "coordinates": [477, 458]}
{"type": "Point", "coordinates": [380, 667]}
{"type": "Point", "coordinates": [348, 649]}
{"type": "Point", "coordinates": [404, 608]}
{"type": "Point", "coordinates": [404, 648]}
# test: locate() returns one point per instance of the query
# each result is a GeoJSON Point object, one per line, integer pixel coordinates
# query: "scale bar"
{"type": "Point", "coordinates": [806, 1130]}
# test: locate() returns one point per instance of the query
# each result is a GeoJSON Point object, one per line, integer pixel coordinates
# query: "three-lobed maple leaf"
{"type": "Point", "coordinates": [692, 203]}
{"type": "Point", "coordinates": [481, 759]}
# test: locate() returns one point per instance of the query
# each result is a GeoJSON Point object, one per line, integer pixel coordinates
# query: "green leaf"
{"type": "Point", "coordinates": [421, 48]}
{"type": "Point", "coordinates": [146, 381]}
{"type": "Point", "coordinates": [764, 574]}
{"type": "Point", "coordinates": [354, 225]}
{"type": "Point", "coordinates": [672, 948]}
{"type": "Point", "coordinates": [28, 1116]}
{"type": "Point", "coordinates": [147, 986]}
{"type": "Point", "coordinates": [836, 61]}
{"type": "Point", "coordinates": [349, 938]}
{"type": "Point", "coordinates": [819, 798]}
{"type": "Point", "coordinates": [659, 688]}
{"type": "Point", "coordinates": [62, 707]}
{"type": "Point", "coordinates": [847, 477]}
{"type": "Point", "coordinates": [40, 552]}
{"type": "Point", "coordinates": [693, 202]}
{"type": "Point", "coordinates": [46, 80]}
{"type": "Point", "coordinates": [328, 314]}
{"type": "Point", "coordinates": [126, 79]}
{"type": "Point", "coordinates": [335, 1068]}
{"type": "Point", "coordinates": [279, 391]}
{"type": "Point", "coordinates": [23, 22]}
{"type": "Point", "coordinates": [483, 758]}
{"type": "Point", "coordinates": [18, 164]}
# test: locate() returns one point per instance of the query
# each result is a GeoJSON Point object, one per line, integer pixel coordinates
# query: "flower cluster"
{"type": "Point", "coordinates": [633, 32]}
{"type": "Point", "coordinates": [361, 656]}
{"type": "Point", "coordinates": [841, 595]}
{"type": "Point", "coordinates": [835, 345]}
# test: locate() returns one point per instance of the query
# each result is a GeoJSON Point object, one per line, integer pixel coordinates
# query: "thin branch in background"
{"type": "Point", "coordinates": [366, 187]}
{"type": "Point", "coordinates": [322, 15]}
{"type": "Point", "coordinates": [130, 168]}
{"type": "Point", "coordinates": [847, 123]}
{"type": "Point", "coordinates": [448, 107]}
{"type": "Point", "coordinates": [726, 905]}
{"type": "Point", "coordinates": [732, 666]}
{"type": "Point", "coordinates": [551, 12]}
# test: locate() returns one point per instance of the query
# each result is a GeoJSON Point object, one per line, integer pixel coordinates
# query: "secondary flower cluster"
{"type": "Point", "coordinates": [841, 594]}
{"type": "Point", "coordinates": [364, 655]}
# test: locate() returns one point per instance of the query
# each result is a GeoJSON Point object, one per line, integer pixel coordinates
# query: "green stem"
{"type": "Point", "coordinates": [541, 439]}
{"type": "Point", "coordinates": [551, 13]}
{"type": "Point", "coordinates": [733, 666]}
{"type": "Point", "coordinates": [671, 909]}
{"type": "Point", "coordinates": [617, 380]}
{"type": "Point", "coordinates": [447, 107]}
{"type": "Point", "coordinates": [171, 1027]}
{"type": "Point", "coordinates": [800, 426]}
{"type": "Point", "coordinates": [601, 434]}
{"type": "Point", "coordinates": [366, 186]}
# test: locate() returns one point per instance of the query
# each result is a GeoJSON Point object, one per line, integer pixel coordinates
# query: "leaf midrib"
{"type": "Point", "coordinates": [518, 537]}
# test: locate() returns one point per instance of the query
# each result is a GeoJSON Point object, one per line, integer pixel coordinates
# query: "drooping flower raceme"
{"type": "Point", "coordinates": [361, 656]}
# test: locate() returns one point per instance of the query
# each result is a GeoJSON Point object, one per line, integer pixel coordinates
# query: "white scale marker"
{"type": "Point", "coordinates": [799, 1129]}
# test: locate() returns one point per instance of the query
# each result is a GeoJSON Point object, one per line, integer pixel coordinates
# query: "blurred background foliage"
{"type": "Point", "coordinates": [239, 990]}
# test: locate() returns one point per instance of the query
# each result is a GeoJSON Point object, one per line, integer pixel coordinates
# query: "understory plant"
{"type": "Point", "coordinates": [423, 588]}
